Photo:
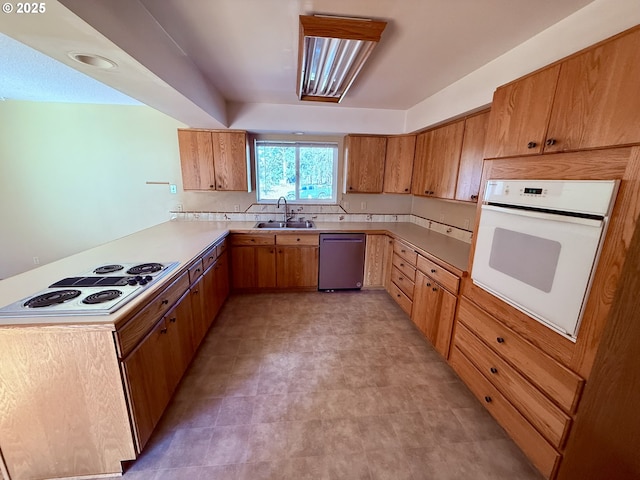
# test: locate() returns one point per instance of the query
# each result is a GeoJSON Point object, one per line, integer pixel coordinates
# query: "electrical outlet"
{"type": "Point", "coordinates": [466, 224]}
{"type": "Point", "coordinates": [36, 261]}
{"type": "Point", "coordinates": [173, 188]}
{"type": "Point", "coordinates": [236, 208]}
{"type": "Point", "coordinates": [363, 205]}
{"type": "Point", "coordinates": [179, 207]}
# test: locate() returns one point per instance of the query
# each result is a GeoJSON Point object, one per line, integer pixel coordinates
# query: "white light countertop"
{"type": "Point", "coordinates": [182, 242]}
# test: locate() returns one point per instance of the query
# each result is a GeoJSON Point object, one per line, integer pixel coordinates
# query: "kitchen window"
{"type": "Point", "coordinates": [302, 172]}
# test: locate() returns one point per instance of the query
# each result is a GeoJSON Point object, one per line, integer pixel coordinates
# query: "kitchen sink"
{"type": "Point", "coordinates": [282, 225]}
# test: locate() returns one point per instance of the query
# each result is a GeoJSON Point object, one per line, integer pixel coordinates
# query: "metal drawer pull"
{"type": "Point", "coordinates": [494, 370]}
{"type": "Point", "coordinates": [433, 270]}
{"type": "Point", "coordinates": [164, 330]}
{"type": "Point", "coordinates": [487, 399]}
{"type": "Point", "coordinates": [500, 340]}
{"type": "Point", "coordinates": [165, 302]}
{"type": "Point", "coordinates": [172, 320]}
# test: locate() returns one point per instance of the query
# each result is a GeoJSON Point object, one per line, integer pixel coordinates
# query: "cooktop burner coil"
{"type": "Point", "coordinates": [101, 297]}
{"type": "Point", "coordinates": [52, 298]}
{"type": "Point", "coordinates": [107, 269]}
{"type": "Point", "coordinates": [145, 268]}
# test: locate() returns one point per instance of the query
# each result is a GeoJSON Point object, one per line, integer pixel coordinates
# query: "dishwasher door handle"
{"type": "Point", "coordinates": [342, 240]}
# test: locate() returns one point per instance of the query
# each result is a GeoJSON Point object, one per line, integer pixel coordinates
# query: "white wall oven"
{"type": "Point", "coordinates": [538, 243]}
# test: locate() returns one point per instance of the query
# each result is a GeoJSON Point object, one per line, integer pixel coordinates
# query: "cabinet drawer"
{"type": "Point", "coordinates": [558, 382]}
{"type": "Point", "coordinates": [541, 453]}
{"type": "Point", "coordinates": [288, 239]}
{"type": "Point", "coordinates": [445, 278]}
{"type": "Point", "coordinates": [399, 296]}
{"type": "Point", "coordinates": [221, 247]}
{"type": "Point", "coordinates": [405, 267]}
{"type": "Point", "coordinates": [137, 327]}
{"type": "Point", "coordinates": [405, 251]}
{"type": "Point", "coordinates": [403, 282]}
{"type": "Point", "coordinates": [550, 421]}
{"type": "Point", "coordinates": [209, 257]}
{"type": "Point", "coordinates": [253, 239]}
{"type": "Point", "coordinates": [195, 270]}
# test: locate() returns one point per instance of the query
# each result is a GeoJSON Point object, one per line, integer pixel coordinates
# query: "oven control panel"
{"type": "Point", "coordinates": [585, 196]}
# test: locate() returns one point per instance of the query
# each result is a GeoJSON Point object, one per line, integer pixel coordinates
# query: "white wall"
{"type": "Point", "coordinates": [73, 176]}
{"type": "Point", "coordinates": [589, 25]}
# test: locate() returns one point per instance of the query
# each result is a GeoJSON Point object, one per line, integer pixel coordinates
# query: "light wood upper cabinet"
{"type": "Point", "coordinates": [519, 115]}
{"type": "Point", "coordinates": [214, 160]}
{"type": "Point", "coordinates": [230, 160]}
{"type": "Point", "coordinates": [365, 157]}
{"type": "Point", "coordinates": [435, 168]}
{"type": "Point", "coordinates": [588, 100]}
{"type": "Point", "coordinates": [471, 156]}
{"type": "Point", "coordinates": [398, 168]}
{"type": "Point", "coordinates": [597, 102]}
{"type": "Point", "coordinates": [196, 160]}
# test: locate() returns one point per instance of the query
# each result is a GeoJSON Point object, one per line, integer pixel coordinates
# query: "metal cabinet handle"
{"type": "Point", "coordinates": [494, 370]}
{"type": "Point", "coordinates": [500, 340]}
{"type": "Point", "coordinates": [551, 141]}
{"type": "Point", "coordinates": [164, 330]}
{"type": "Point", "coordinates": [172, 319]}
{"type": "Point", "coordinates": [433, 270]}
{"type": "Point", "coordinates": [487, 399]}
{"type": "Point", "coordinates": [165, 302]}
{"type": "Point", "coordinates": [532, 145]}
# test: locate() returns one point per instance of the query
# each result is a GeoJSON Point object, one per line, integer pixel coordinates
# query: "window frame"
{"type": "Point", "coordinates": [333, 200]}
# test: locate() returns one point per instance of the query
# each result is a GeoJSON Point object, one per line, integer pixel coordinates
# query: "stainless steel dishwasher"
{"type": "Point", "coordinates": [341, 261]}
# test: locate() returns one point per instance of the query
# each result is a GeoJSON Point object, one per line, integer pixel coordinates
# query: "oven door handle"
{"type": "Point", "coordinates": [556, 217]}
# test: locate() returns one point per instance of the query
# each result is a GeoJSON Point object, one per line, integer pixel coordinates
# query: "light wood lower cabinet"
{"type": "Point", "coordinates": [529, 393]}
{"type": "Point", "coordinates": [147, 381]}
{"type": "Point", "coordinates": [297, 267]}
{"type": "Point", "coordinates": [433, 312]}
{"type": "Point", "coordinates": [377, 260]}
{"type": "Point", "coordinates": [540, 452]}
{"type": "Point", "coordinates": [280, 261]}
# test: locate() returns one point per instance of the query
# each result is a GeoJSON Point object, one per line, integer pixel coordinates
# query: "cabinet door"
{"type": "Point", "coordinates": [597, 102]}
{"type": "Point", "coordinates": [222, 281]}
{"type": "Point", "coordinates": [438, 156]}
{"type": "Point", "coordinates": [211, 306]}
{"type": "Point", "coordinates": [197, 296]}
{"type": "Point", "coordinates": [520, 114]}
{"type": "Point", "coordinates": [297, 267]}
{"type": "Point", "coordinates": [446, 315]}
{"type": "Point", "coordinates": [426, 304]}
{"type": "Point", "coordinates": [471, 156]}
{"type": "Point", "coordinates": [398, 167]}
{"type": "Point", "coordinates": [365, 163]}
{"type": "Point", "coordinates": [196, 160]}
{"type": "Point", "coordinates": [146, 378]}
{"type": "Point", "coordinates": [179, 322]}
{"type": "Point", "coordinates": [230, 160]}
{"type": "Point", "coordinates": [253, 267]}
{"type": "Point", "coordinates": [376, 260]}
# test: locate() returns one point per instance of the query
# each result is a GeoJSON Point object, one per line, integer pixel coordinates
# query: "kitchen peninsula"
{"type": "Point", "coordinates": [62, 377]}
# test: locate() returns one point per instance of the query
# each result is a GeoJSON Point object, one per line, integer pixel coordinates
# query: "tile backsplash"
{"type": "Point", "coordinates": [319, 213]}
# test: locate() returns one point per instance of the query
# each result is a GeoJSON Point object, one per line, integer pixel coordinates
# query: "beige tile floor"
{"type": "Point", "coordinates": [324, 386]}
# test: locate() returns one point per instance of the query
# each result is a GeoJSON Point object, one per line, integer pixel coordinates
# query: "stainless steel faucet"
{"type": "Point", "coordinates": [285, 209]}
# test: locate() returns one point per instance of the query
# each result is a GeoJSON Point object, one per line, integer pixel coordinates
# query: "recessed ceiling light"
{"type": "Point", "coordinates": [93, 60]}
{"type": "Point", "coordinates": [298, 133]}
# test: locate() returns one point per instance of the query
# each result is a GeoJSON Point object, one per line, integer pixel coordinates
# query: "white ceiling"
{"type": "Point", "coordinates": [30, 75]}
{"type": "Point", "coordinates": [198, 60]}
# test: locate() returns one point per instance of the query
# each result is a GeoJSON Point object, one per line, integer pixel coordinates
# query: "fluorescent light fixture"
{"type": "Point", "coordinates": [331, 53]}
